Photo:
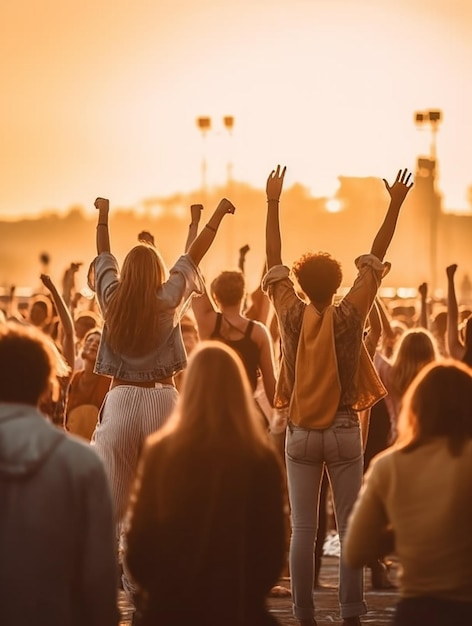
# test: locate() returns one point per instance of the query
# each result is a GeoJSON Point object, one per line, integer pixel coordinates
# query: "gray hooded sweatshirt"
{"type": "Point", "coordinates": [57, 539]}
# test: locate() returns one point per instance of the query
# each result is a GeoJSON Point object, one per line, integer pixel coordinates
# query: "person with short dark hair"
{"type": "Point", "coordinates": [57, 541]}
{"type": "Point", "coordinates": [219, 315]}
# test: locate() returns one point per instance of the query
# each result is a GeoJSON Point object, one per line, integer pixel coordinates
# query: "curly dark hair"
{"type": "Point", "coordinates": [319, 275]}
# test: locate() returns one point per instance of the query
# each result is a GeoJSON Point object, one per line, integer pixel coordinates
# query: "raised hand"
{"type": "Point", "coordinates": [146, 237]}
{"type": "Point", "coordinates": [225, 206]}
{"type": "Point", "coordinates": [102, 204]}
{"type": "Point", "coordinates": [47, 282]}
{"type": "Point", "coordinates": [196, 212]}
{"type": "Point", "coordinates": [275, 183]}
{"type": "Point", "coordinates": [423, 290]}
{"type": "Point", "coordinates": [451, 270]}
{"type": "Point", "coordinates": [400, 187]}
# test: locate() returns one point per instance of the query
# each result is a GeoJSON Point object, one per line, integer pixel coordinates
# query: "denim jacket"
{"type": "Point", "coordinates": [167, 357]}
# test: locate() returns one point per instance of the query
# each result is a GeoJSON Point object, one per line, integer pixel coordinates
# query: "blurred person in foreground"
{"type": "Point", "coordinates": [416, 501]}
{"type": "Point", "coordinates": [206, 532]}
{"type": "Point", "coordinates": [57, 547]}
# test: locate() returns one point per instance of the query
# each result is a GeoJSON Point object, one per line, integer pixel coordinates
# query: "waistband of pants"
{"type": "Point", "coordinates": [147, 384]}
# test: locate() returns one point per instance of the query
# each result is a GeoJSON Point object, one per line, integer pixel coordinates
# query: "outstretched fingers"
{"type": "Point", "coordinates": [405, 177]}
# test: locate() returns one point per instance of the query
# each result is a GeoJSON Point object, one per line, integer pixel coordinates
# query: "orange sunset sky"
{"type": "Point", "coordinates": [101, 97]}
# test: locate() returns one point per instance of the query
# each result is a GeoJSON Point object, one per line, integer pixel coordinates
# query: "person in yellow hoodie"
{"type": "Point", "coordinates": [326, 379]}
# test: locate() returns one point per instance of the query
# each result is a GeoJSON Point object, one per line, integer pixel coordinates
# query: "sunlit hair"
{"type": "Point", "coordinates": [29, 364]}
{"type": "Point", "coordinates": [132, 315]}
{"type": "Point", "coordinates": [438, 404]}
{"type": "Point", "coordinates": [415, 349]}
{"type": "Point", "coordinates": [319, 275]}
{"type": "Point", "coordinates": [216, 404]}
{"type": "Point", "coordinates": [228, 288]}
{"type": "Point", "coordinates": [439, 323]}
{"type": "Point", "coordinates": [467, 358]}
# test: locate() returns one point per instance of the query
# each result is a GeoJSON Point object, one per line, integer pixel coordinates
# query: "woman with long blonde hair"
{"type": "Point", "coordinates": [141, 348]}
{"type": "Point", "coordinates": [417, 502]}
{"type": "Point", "coordinates": [206, 538]}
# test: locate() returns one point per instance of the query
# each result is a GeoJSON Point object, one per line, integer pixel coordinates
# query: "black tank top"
{"type": "Point", "coordinates": [246, 348]}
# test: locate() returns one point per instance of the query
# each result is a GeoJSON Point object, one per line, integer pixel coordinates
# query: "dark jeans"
{"type": "Point", "coordinates": [432, 612]}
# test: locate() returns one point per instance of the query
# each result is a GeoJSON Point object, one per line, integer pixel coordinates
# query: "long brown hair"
{"type": "Point", "coordinates": [132, 315]}
{"type": "Point", "coordinates": [438, 404]}
{"type": "Point", "coordinates": [216, 403]}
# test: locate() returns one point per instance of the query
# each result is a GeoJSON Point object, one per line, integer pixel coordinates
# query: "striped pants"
{"type": "Point", "coordinates": [128, 415]}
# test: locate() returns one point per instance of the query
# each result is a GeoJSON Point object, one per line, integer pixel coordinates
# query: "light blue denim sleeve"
{"type": "Point", "coordinates": [185, 280]}
{"type": "Point", "coordinates": [104, 277]}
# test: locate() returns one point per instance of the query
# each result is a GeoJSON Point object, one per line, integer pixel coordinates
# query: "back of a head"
{"type": "Point", "coordinates": [143, 267]}
{"type": "Point", "coordinates": [228, 288]}
{"type": "Point", "coordinates": [415, 349]}
{"type": "Point", "coordinates": [439, 324]}
{"type": "Point", "coordinates": [416, 346]}
{"type": "Point", "coordinates": [216, 396]}
{"type": "Point", "coordinates": [27, 364]}
{"type": "Point", "coordinates": [319, 275]}
{"type": "Point", "coordinates": [438, 403]}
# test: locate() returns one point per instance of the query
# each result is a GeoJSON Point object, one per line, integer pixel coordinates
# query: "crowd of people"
{"type": "Point", "coordinates": [181, 440]}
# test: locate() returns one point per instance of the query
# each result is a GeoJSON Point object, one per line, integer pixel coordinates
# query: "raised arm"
{"type": "Point", "coordinates": [103, 236]}
{"type": "Point", "coordinates": [273, 239]}
{"type": "Point", "coordinates": [260, 303]}
{"type": "Point", "coordinates": [69, 288]}
{"type": "Point", "coordinates": [12, 311]}
{"type": "Point", "coordinates": [67, 323]}
{"type": "Point", "coordinates": [397, 192]}
{"type": "Point", "coordinates": [424, 314]}
{"type": "Point", "coordinates": [195, 215]}
{"type": "Point", "coordinates": [454, 344]}
{"type": "Point", "coordinates": [202, 243]}
{"type": "Point", "coordinates": [242, 257]}
{"type": "Point", "coordinates": [202, 306]}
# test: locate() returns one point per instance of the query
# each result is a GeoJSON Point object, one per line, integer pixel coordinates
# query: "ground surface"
{"type": "Point", "coordinates": [380, 603]}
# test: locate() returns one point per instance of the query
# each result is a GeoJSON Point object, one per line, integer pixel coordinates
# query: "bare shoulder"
{"type": "Point", "coordinates": [260, 332]}
{"type": "Point", "coordinates": [206, 323]}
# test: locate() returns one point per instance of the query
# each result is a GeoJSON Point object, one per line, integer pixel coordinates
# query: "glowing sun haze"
{"type": "Point", "coordinates": [101, 98]}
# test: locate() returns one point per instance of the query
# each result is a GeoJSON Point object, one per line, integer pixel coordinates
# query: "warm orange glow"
{"type": "Point", "coordinates": [102, 98]}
